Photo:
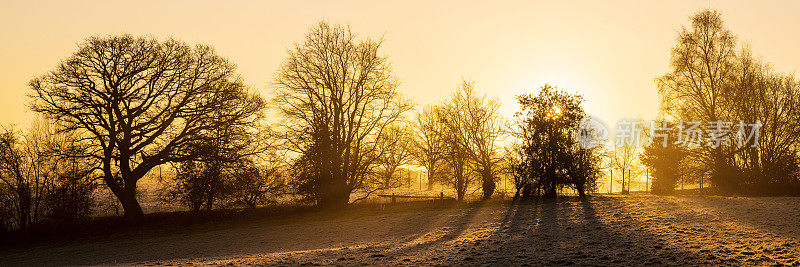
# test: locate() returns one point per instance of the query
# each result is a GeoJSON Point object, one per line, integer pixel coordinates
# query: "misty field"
{"type": "Point", "coordinates": [602, 230]}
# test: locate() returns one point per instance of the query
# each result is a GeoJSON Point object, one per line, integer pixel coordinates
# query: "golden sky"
{"type": "Point", "coordinates": [609, 51]}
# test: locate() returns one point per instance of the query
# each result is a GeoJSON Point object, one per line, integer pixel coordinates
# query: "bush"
{"type": "Point", "coordinates": [71, 198]}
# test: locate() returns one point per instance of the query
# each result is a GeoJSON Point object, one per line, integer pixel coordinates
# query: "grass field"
{"type": "Point", "coordinates": [603, 230]}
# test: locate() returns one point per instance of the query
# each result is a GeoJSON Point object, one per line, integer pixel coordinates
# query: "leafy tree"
{"type": "Point", "coordinates": [665, 165]}
{"type": "Point", "coordinates": [548, 156]}
{"type": "Point", "coordinates": [583, 169]}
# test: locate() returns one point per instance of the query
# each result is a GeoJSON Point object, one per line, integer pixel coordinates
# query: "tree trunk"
{"type": "Point", "coordinates": [550, 191]}
{"type": "Point", "coordinates": [461, 186]}
{"type": "Point", "coordinates": [488, 187]}
{"type": "Point", "coordinates": [335, 200]}
{"type": "Point", "coordinates": [431, 176]}
{"type": "Point", "coordinates": [528, 191]}
{"type": "Point", "coordinates": [210, 200]}
{"type": "Point", "coordinates": [336, 196]}
{"type": "Point", "coordinates": [24, 207]}
{"type": "Point", "coordinates": [611, 182]}
{"type": "Point", "coordinates": [581, 190]}
{"type": "Point", "coordinates": [211, 193]}
{"type": "Point", "coordinates": [131, 207]}
{"type": "Point", "coordinates": [126, 192]}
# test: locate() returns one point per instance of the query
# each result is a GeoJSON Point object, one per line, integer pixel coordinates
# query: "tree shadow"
{"type": "Point", "coordinates": [597, 231]}
{"type": "Point", "coordinates": [777, 215]}
{"type": "Point", "coordinates": [434, 237]}
{"type": "Point", "coordinates": [321, 230]}
{"type": "Point", "coordinates": [543, 232]}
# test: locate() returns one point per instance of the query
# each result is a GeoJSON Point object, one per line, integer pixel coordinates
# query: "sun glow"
{"type": "Point", "coordinates": [554, 113]}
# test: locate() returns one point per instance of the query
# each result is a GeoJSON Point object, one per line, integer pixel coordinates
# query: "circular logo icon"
{"type": "Point", "coordinates": [592, 132]}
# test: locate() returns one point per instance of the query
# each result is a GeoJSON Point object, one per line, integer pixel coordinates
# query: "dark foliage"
{"type": "Point", "coordinates": [549, 156]}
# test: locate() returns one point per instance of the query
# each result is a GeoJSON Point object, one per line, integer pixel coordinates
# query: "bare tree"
{"type": "Point", "coordinates": [6, 208]}
{"type": "Point", "coordinates": [46, 175]}
{"type": "Point", "coordinates": [140, 103]}
{"type": "Point", "coordinates": [255, 185]}
{"type": "Point", "coordinates": [711, 82]}
{"type": "Point", "coordinates": [338, 95]}
{"type": "Point", "coordinates": [15, 177]}
{"type": "Point", "coordinates": [456, 156]}
{"type": "Point", "coordinates": [220, 160]}
{"type": "Point", "coordinates": [429, 146]}
{"type": "Point", "coordinates": [756, 93]}
{"type": "Point", "coordinates": [396, 144]}
{"type": "Point", "coordinates": [469, 130]}
{"type": "Point", "coordinates": [702, 61]}
{"type": "Point", "coordinates": [625, 159]}
{"type": "Point", "coordinates": [481, 130]}
{"type": "Point", "coordinates": [62, 173]}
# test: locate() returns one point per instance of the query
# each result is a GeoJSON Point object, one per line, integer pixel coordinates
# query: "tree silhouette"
{"type": "Point", "coordinates": [666, 164]}
{"type": "Point", "coordinates": [624, 158]}
{"type": "Point", "coordinates": [477, 127]}
{"type": "Point", "coordinates": [548, 156]}
{"type": "Point", "coordinates": [429, 145]}
{"type": "Point", "coordinates": [13, 175]}
{"type": "Point", "coordinates": [140, 103]}
{"type": "Point", "coordinates": [711, 82]}
{"type": "Point", "coordinates": [338, 96]}
{"type": "Point", "coordinates": [396, 144]}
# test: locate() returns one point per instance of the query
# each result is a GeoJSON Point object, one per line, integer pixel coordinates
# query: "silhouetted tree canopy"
{"type": "Point", "coordinates": [338, 96]}
{"type": "Point", "coordinates": [429, 145]}
{"type": "Point", "coordinates": [713, 79]}
{"type": "Point", "coordinates": [44, 177]}
{"type": "Point", "coordinates": [666, 162]}
{"type": "Point", "coordinates": [476, 125]}
{"type": "Point", "coordinates": [140, 103]}
{"type": "Point", "coordinates": [549, 157]}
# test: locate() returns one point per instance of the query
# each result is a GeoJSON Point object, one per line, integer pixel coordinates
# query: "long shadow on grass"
{"type": "Point", "coordinates": [574, 232]}
{"type": "Point", "coordinates": [426, 240]}
{"type": "Point", "coordinates": [777, 215]}
{"type": "Point", "coordinates": [425, 234]}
